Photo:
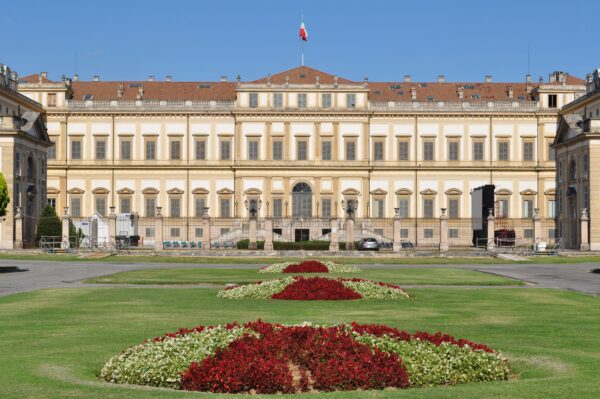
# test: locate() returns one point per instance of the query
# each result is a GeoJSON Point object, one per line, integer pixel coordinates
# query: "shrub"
{"type": "Point", "coordinates": [49, 224]}
{"type": "Point", "coordinates": [4, 197]}
{"type": "Point", "coordinates": [331, 267]}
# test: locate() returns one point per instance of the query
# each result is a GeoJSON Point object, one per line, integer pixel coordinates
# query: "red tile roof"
{"type": "Point", "coordinates": [302, 75]}
{"type": "Point", "coordinates": [35, 78]}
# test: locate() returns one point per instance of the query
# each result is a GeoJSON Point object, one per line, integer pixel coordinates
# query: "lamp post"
{"type": "Point", "coordinates": [286, 209]}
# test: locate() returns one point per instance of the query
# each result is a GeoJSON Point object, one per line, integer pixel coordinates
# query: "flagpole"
{"type": "Point", "coordinates": [302, 44]}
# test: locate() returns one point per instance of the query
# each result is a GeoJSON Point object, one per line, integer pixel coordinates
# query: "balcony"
{"type": "Point", "coordinates": [149, 105]}
{"type": "Point", "coordinates": [455, 106]}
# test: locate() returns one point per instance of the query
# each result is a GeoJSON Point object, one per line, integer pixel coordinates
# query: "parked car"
{"type": "Point", "coordinates": [368, 243]}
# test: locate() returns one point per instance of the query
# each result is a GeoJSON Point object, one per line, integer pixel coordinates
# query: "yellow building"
{"type": "Point", "coordinates": [303, 144]}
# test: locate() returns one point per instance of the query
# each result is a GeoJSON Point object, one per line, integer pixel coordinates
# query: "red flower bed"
{"type": "Point", "coordinates": [307, 266]}
{"type": "Point", "coordinates": [295, 359]}
{"type": "Point", "coordinates": [316, 289]}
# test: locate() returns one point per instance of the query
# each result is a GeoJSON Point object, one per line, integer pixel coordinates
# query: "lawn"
{"type": "Point", "coordinates": [408, 276]}
{"type": "Point", "coordinates": [53, 342]}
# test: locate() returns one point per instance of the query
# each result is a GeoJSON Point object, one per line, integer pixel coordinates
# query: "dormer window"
{"type": "Point", "coordinates": [302, 100]}
{"type": "Point", "coordinates": [326, 100]}
{"type": "Point", "coordinates": [278, 100]}
{"type": "Point", "coordinates": [87, 97]}
{"type": "Point", "coordinates": [552, 102]}
{"type": "Point", "coordinates": [253, 100]}
{"type": "Point", "coordinates": [351, 100]}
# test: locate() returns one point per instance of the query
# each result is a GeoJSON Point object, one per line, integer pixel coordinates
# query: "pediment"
{"type": "Point", "coordinates": [75, 190]}
{"type": "Point", "coordinates": [200, 191]}
{"type": "Point", "coordinates": [100, 190]}
{"type": "Point", "coordinates": [528, 192]}
{"type": "Point", "coordinates": [428, 191]}
{"type": "Point", "coordinates": [175, 191]}
{"type": "Point", "coordinates": [35, 127]}
{"type": "Point", "coordinates": [503, 191]}
{"type": "Point", "coordinates": [253, 191]}
{"type": "Point", "coordinates": [350, 191]}
{"type": "Point", "coordinates": [403, 191]}
{"type": "Point", "coordinates": [378, 191]}
{"type": "Point", "coordinates": [453, 191]}
{"type": "Point", "coordinates": [52, 191]}
{"type": "Point", "coordinates": [550, 191]}
{"type": "Point", "coordinates": [150, 191]}
{"type": "Point", "coordinates": [225, 191]}
{"type": "Point", "coordinates": [125, 191]}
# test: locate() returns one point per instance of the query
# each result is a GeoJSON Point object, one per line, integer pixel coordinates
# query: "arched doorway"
{"type": "Point", "coordinates": [302, 201]}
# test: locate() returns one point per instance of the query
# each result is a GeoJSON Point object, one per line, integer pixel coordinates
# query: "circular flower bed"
{"type": "Point", "coordinates": [309, 266]}
{"type": "Point", "coordinates": [301, 288]}
{"type": "Point", "coordinates": [260, 357]}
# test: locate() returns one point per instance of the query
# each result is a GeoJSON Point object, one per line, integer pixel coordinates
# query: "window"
{"type": "Point", "coordinates": [225, 205]}
{"type": "Point", "coordinates": [302, 150]}
{"type": "Point", "coordinates": [52, 151]}
{"type": "Point", "coordinates": [552, 100]}
{"type": "Point", "coordinates": [277, 208]}
{"type": "Point", "coordinates": [175, 232]}
{"type": "Point", "coordinates": [253, 150]}
{"type": "Point", "coordinates": [503, 151]}
{"type": "Point", "coordinates": [350, 150]}
{"type": "Point", "coordinates": [552, 234]}
{"type": "Point", "coordinates": [586, 164]}
{"type": "Point", "coordinates": [101, 204]}
{"type": "Point", "coordinates": [150, 149]}
{"type": "Point", "coordinates": [302, 100]}
{"type": "Point", "coordinates": [76, 206]}
{"type": "Point", "coordinates": [586, 197]}
{"type": "Point", "coordinates": [150, 206]}
{"type": "Point", "coordinates": [453, 208]}
{"type": "Point", "coordinates": [201, 149]}
{"type": "Point", "coordinates": [175, 207]}
{"type": "Point", "coordinates": [351, 100]}
{"type": "Point", "coordinates": [403, 151]}
{"type": "Point", "coordinates": [51, 202]}
{"type": "Point", "coordinates": [503, 210]}
{"type": "Point", "coordinates": [126, 150]}
{"type": "Point", "coordinates": [199, 232]}
{"type": "Point", "coordinates": [326, 207]}
{"type": "Point", "coordinates": [326, 150]}
{"type": "Point", "coordinates": [224, 230]}
{"type": "Point", "coordinates": [17, 163]}
{"type": "Point", "coordinates": [200, 204]}
{"type": "Point", "coordinates": [175, 145]}
{"type": "Point", "coordinates": [478, 151]}
{"type": "Point", "coordinates": [552, 209]}
{"type": "Point", "coordinates": [100, 149]}
{"type": "Point", "coordinates": [277, 150]}
{"type": "Point", "coordinates": [403, 209]}
{"type": "Point", "coordinates": [253, 100]}
{"type": "Point", "coordinates": [76, 149]}
{"type": "Point", "coordinates": [52, 99]}
{"type": "Point", "coordinates": [150, 232]}
{"type": "Point", "coordinates": [427, 233]}
{"type": "Point", "coordinates": [378, 150]}
{"type": "Point", "coordinates": [17, 194]}
{"type": "Point", "coordinates": [428, 207]}
{"type": "Point", "coordinates": [551, 153]}
{"type": "Point", "coordinates": [528, 151]}
{"type": "Point", "coordinates": [326, 100]}
{"type": "Point", "coordinates": [527, 233]}
{"type": "Point", "coordinates": [278, 100]}
{"type": "Point", "coordinates": [378, 208]}
{"type": "Point", "coordinates": [125, 204]}
{"type": "Point", "coordinates": [225, 150]}
{"type": "Point", "coordinates": [528, 208]}
{"type": "Point", "coordinates": [453, 150]}
{"type": "Point", "coordinates": [452, 233]}
{"type": "Point", "coordinates": [428, 149]}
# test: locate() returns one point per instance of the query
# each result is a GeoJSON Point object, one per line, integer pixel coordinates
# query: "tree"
{"type": "Point", "coordinates": [4, 198]}
{"type": "Point", "coordinates": [49, 224]}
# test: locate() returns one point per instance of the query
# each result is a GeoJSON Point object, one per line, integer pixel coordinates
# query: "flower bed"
{"type": "Point", "coordinates": [309, 266]}
{"type": "Point", "coordinates": [315, 288]}
{"type": "Point", "coordinates": [260, 357]}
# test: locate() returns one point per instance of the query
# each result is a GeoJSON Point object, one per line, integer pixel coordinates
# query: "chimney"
{"type": "Point", "coordinates": [151, 78]}
{"type": "Point", "coordinates": [318, 81]}
{"type": "Point", "coordinates": [488, 79]}
{"type": "Point", "coordinates": [75, 78]}
{"type": "Point", "coordinates": [441, 79]}
{"type": "Point", "coordinates": [44, 75]}
{"type": "Point", "coordinates": [96, 78]}
{"type": "Point", "coordinates": [528, 78]}
{"type": "Point", "coordinates": [460, 90]}
{"type": "Point", "coordinates": [238, 79]}
{"type": "Point", "coordinates": [168, 78]}
{"type": "Point", "coordinates": [335, 81]}
{"type": "Point", "coordinates": [223, 78]}
{"type": "Point", "coordinates": [413, 92]}
{"type": "Point", "coordinates": [120, 90]}
{"type": "Point", "coordinates": [14, 76]}
{"type": "Point", "coordinates": [140, 94]}
{"type": "Point", "coordinates": [407, 78]}
{"type": "Point", "coordinates": [541, 80]}
{"type": "Point", "coordinates": [366, 82]}
{"type": "Point", "coordinates": [509, 91]}
{"type": "Point", "coordinates": [287, 80]}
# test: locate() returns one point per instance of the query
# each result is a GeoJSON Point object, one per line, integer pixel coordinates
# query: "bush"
{"type": "Point", "coordinates": [49, 224]}
{"type": "Point", "coordinates": [4, 198]}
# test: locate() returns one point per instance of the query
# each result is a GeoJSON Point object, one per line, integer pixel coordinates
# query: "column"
{"type": "Point", "coordinates": [334, 244]}
{"type": "Point", "coordinates": [397, 239]}
{"type": "Point", "coordinates": [206, 232]}
{"type": "Point", "coordinates": [252, 234]}
{"type": "Point", "coordinates": [537, 227]}
{"type": "Point", "coordinates": [349, 234]}
{"type": "Point", "coordinates": [158, 230]}
{"type": "Point", "coordinates": [66, 219]}
{"type": "Point", "coordinates": [18, 229]}
{"type": "Point", "coordinates": [112, 228]}
{"type": "Point", "coordinates": [444, 231]}
{"type": "Point", "coordinates": [491, 228]}
{"type": "Point", "coordinates": [268, 235]}
{"type": "Point", "coordinates": [584, 242]}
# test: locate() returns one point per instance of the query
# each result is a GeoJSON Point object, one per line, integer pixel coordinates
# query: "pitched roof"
{"type": "Point", "coordinates": [302, 75]}
{"type": "Point", "coordinates": [170, 91]}
{"type": "Point", "coordinates": [35, 78]}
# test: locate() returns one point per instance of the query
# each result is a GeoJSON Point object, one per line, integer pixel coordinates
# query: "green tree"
{"type": "Point", "coordinates": [49, 224]}
{"type": "Point", "coordinates": [4, 198]}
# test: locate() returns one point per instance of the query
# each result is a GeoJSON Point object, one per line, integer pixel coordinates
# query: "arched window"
{"type": "Point", "coordinates": [301, 200]}
{"type": "Point", "coordinates": [30, 168]}
{"type": "Point", "coordinates": [573, 170]}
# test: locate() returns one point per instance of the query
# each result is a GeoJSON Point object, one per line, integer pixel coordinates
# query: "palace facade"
{"type": "Point", "coordinates": [302, 144]}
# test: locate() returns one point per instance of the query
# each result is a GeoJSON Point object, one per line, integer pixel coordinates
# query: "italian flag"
{"type": "Point", "coordinates": [303, 32]}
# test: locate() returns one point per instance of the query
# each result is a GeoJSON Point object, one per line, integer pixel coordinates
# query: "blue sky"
{"type": "Point", "coordinates": [384, 40]}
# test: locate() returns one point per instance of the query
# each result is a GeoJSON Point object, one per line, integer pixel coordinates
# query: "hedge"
{"type": "Point", "coordinates": [293, 245]}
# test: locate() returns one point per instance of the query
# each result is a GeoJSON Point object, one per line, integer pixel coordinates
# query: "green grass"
{"type": "Point", "coordinates": [53, 342]}
{"type": "Point", "coordinates": [408, 276]}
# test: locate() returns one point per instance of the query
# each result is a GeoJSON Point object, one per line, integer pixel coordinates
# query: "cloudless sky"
{"type": "Point", "coordinates": [384, 40]}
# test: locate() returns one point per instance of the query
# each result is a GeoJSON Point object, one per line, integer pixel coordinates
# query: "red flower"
{"type": "Point", "coordinates": [307, 266]}
{"type": "Point", "coordinates": [316, 289]}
